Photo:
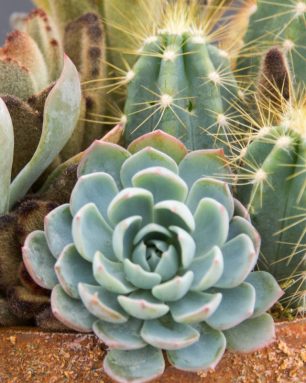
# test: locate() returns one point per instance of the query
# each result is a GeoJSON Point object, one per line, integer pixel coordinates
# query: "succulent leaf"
{"type": "Point", "coordinates": [39, 260]}
{"type": "Point", "coordinates": [206, 353]}
{"type": "Point", "coordinates": [138, 366]}
{"type": "Point", "coordinates": [242, 337]}
{"type": "Point", "coordinates": [6, 155]}
{"type": "Point", "coordinates": [60, 117]}
{"type": "Point", "coordinates": [124, 336]}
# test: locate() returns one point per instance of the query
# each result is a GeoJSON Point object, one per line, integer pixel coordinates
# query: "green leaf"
{"type": "Point", "coordinates": [104, 157]}
{"type": "Point", "coordinates": [91, 233]}
{"type": "Point", "coordinates": [168, 265]}
{"type": "Point", "coordinates": [139, 277]}
{"type": "Point", "coordinates": [71, 269]}
{"type": "Point", "coordinates": [239, 225]}
{"type": "Point", "coordinates": [39, 260]}
{"type": "Point", "coordinates": [131, 202]}
{"type": "Point", "coordinates": [211, 226]}
{"type": "Point", "coordinates": [58, 229]}
{"type": "Point", "coordinates": [207, 269]}
{"type": "Point", "coordinates": [237, 304]}
{"type": "Point", "coordinates": [123, 237]}
{"type": "Point", "coordinates": [135, 366]}
{"type": "Point", "coordinates": [6, 156]}
{"type": "Point", "coordinates": [173, 213]}
{"type": "Point", "coordinates": [166, 334]}
{"type": "Point", "coordinates": [98, 188]}
{"type": "Point", "coordinates": [195, 307]}
{"type": "Point", "coordinates": [101, 303]}
{"type": "Point", "coordinates": [111, 275]}
{"type": "Point", "coordinates": [70, 311]}
{"type": "Point", "coordinates": [251, 334]}
{"type": "Point", "coordinates": [142, 305]}
{"type": "Point", "coordinates": [61, 114]}
{"type": "Point", "coordinates": [267, 291]}
{"type": "Point", "coordinates": [146, 158]}
{"type": "Point", "coordinates": [203, 163]}
{"type": "Point", "coordinates": [161, 141]}
{"type": "Point", "coordinates": [185, 245]}
{"type": "Point", "coordinates": [204, 354]}
{"type": "Point", "coordinates": [162, 183]}
{"type": "Point", "coordinates": [124, 336]}
{"type": "Point", "coordinates": [174, 289]}
{"type": "Point", "coordinates": [239, 258]}
{"type": "Point", "coordinates": [214, 189]}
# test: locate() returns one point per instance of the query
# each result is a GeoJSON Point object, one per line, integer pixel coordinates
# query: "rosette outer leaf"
{"type": "Point", "coordinates": [150, 257]}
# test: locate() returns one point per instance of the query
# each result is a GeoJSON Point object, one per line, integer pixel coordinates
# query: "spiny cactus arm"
{"type": "Point", "coordinates": [60, 117]}
{"type": "Point", "coordinates": [6, 156]}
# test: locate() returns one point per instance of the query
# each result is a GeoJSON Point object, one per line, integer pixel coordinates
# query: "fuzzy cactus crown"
{"type": "Point", "coordinates": [153, 253]}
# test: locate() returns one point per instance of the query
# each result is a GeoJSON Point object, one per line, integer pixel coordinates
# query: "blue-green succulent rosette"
{"type": "Point", "coordinates": [153, 253]}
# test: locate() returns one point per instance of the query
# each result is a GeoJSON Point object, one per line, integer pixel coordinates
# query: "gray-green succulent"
{"type": "Point", "coordinates": [153, 253]}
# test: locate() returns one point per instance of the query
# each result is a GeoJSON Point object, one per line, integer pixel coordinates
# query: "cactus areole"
{"type": "Point", "coordinates": [153, 253]}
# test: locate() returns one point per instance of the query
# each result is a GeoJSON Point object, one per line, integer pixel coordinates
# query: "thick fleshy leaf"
{"type": "Point", "coordinates": [135, 366]}
{"type": "Point", "coordinates": [6, 156]}
{"type": "Point", "coordinates": [195, 307]}
{"type": "Point", "coordinates": [58, 229]}
{"type": "Point", "coordinates": [150, 232]}
{"type": "Point", "coordinates": [211, 188]}
{"type": "Point", "coordinates": [71, 269]}
{"type": "Point", "coordinates": [162, 183]}
{"type": "Point", "coordinates": [251, 334]}
{"type": "Point", "coordinates": [267, 291]}
{"type": "Point", "coordinates": [144, 159]}
{"type": "Point", "coordinates": [123, 237]}
{"type": "Point", "coordinates": [91, 233]}
{"type": "Point", "coordinates": [139, 256]}
{"type": "Point", "coordinates": [38, 260]}
{"type": "Point", "coordinates": [173, 213]}
{"type": "Point", "coordinates": [61, 113]}
{"type": "Point", "coordinates": [98, 188]}
{"type": "Point", "coordinates": [240, 210]}
{"type": "Point", "coordinates": [207, 269]}
{"type": "Point", "coordinates": [101, 303]}
{"type": "Point", "coordinates": [204, 354]}
{"type": "Point", "coordinates": [166, 334]}
{"type": "Point", "coordinates": [211, 221]}
{"type": "Point", "coordinates": [131, 202]}
{"type": "Point", "coordinates": [185, 245]}
{"type": "Point", "coordinates": [70, 311]}
{"type": "Point", "coordinates": [139, 277]}
{"type": "Point", "coordinates": [202, 163]}
{"type": "Point", "coordinates": [168, 265]}
{"type": "Point", "coordinates": [239, 225]}
{"type": "Point", "coordinates": [239, 259]}
{"type": "Point", "coordinates": [143, 305]}
{"type": "Point", "coordinates": [162, 141]}
{"type": "Point", "coordinates": [120, 336]}
{"type": "Point", "coordinates": [237, 305]}
{"type": "Point", "coordinates": [104, 157]}
{"type": "Point", "coordinates": [174, 289]}
{"type": "Point", "coordinates": [111, 275]}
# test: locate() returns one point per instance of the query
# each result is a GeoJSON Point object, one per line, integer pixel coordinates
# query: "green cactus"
{"type": "Point", "coordinates": [153, 253]}
{"type": "Point", "coordinates": [274, 168]}
{"type": "Point", "coordinates": [280, 23]}
{"type": "Point", "coordinates": [182, 84]}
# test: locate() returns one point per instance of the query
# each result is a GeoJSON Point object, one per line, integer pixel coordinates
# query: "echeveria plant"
{"type": "Point", "coordinates": [153, 253]}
